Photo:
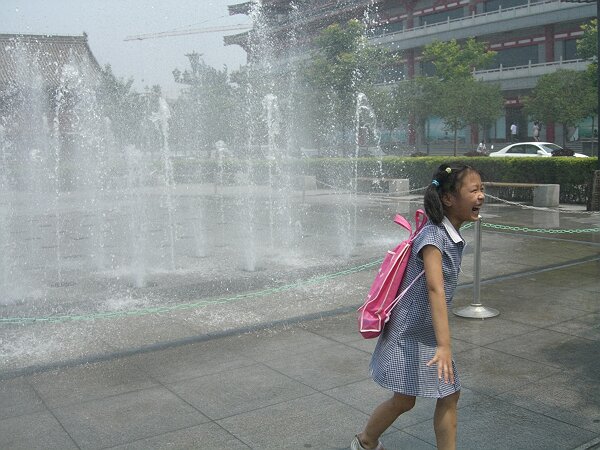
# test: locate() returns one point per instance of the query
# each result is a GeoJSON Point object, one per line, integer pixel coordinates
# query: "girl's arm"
{"type": "Point", "coordinates": [432, 257]}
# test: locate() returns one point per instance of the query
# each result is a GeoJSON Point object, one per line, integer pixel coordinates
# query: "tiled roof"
{"type": "Point", "coordinates": [21, 53]}
{"type": "Point", "coordinates": [240, 8]}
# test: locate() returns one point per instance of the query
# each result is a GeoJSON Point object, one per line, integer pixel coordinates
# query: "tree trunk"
{"type": "Point", "coordinates": [455, 141]}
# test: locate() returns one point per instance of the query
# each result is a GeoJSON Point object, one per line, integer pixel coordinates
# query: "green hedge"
{"type": "Point", "coordinates": [573, 174]}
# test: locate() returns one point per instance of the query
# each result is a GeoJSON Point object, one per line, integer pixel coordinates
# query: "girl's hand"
{"type": "Point", "coordinates": [443, 359]}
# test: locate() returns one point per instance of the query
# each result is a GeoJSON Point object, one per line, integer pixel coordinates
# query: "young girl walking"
{"type": "Point", "coordinates": [413, 356]}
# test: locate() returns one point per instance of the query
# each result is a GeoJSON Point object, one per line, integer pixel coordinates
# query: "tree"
{"type": "Point", "coordinates": [453, 98]}
{"type": "Point", "coordinates": [455, 61]}
{"type": "Point", "coordinates": [460, 99]}
{"type": "Point", "coordinates": [410, 101]}
{"type": "Point", "coordinates": [587, 46]}
{"type": "Point", "coordinates": [484, 104]}
{"type": "Point", "coordinates": [343, 64]}
{"type": "Point", "coordinates": [122, 105]}
{"type": "Point", "coordinates": [249, 86]}
{"type": "Point", "coordinates": [565, 96]}
{"type": "Point", "coordinates": [203, 111]}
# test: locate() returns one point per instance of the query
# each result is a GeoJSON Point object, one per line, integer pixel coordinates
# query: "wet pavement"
{"type": "Point", "coordinates": [287, 369]}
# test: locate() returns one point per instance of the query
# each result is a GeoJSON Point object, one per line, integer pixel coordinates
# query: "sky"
{"type": "Point", "coordinates": [108, 22]}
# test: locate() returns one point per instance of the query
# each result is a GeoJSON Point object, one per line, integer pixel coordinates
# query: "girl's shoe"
{"type": "Point", "coordinates": [356, 445]}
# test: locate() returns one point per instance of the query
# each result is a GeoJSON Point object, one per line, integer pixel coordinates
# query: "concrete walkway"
{"type": "Point", "coordinates": [531, 376]}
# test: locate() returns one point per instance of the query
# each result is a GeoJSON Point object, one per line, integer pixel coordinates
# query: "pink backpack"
{"type": "Point", "coordinates": [383, 296]}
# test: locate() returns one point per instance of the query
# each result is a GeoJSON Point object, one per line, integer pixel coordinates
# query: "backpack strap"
{"type": "Point", "coordinates": [401, 294]}
{"type": "Point", "coordinates": [420, 221]}
{"type": "Point", "coordinates": [401, 220]}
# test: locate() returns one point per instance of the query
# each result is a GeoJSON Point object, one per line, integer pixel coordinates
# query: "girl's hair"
{"type": "Point", "coordinates": [446, 179]}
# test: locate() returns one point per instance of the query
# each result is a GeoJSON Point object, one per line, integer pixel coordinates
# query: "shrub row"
{"type": "Point", "coordinates": [573, 174]}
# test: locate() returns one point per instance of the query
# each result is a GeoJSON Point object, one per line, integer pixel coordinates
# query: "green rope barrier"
{"type": "Point", "coordinates": [540, 230]}
{"type": "Point", "coordinates": [185, 306]}
{"type": "Point", "coordinates": [261, 293]}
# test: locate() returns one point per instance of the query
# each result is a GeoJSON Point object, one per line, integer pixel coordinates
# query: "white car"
{"type": "Point", "coordinates": [533, 149]}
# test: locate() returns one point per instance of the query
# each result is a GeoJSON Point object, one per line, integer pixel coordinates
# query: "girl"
{"type": "Point", "coordinates": [413, 355]}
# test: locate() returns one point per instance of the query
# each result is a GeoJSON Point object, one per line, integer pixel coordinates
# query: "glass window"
{"type": "Point", "coordinates": [427, 68]}
{"type": "Point", "coordinates": [378, 30]}
{"type": "Point", "coordinates": [551, 147]}
{"type": "Point", "coordinates": [442, 16]}
{"type": "Point", "coordinates": [387, 28]}
{"type": "Point", "coordinates": [395, 26]}
{"type": "Point", "coordinates": [498, 130]}
{"type": "Point", "coordinates": [586, 128]}
{"type": "Point", "coordinates": [435, 130]}
{"type": "Point", "coordinates": [494, 5]}
{"type": "Point", "coordinates": [570, 49]}
{"type": "Point", "coordinates": [517, 56]}
{"type": "Point", "coordinates": [391, 74]}
{"type": "Point", "coordinates": [531, 149]}
{"type": "Point", "coordinates": [516, 149]}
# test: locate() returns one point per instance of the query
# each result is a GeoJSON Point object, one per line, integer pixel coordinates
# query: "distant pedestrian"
{"type": "Point", "coordinates": [413, 357]}
{"type": "Point", "coordinates": [536, 131]}
{"type": "Point", "coordinates": [513, 132]}
{"type": "Point", "coordinates": [481, 148]}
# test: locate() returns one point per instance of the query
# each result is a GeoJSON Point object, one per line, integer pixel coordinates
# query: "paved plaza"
{"type": "Point", "coordinates": [287, 369]}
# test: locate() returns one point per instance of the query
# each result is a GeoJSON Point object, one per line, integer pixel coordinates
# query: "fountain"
{"type": "Point", "coordinates": [92, 230]}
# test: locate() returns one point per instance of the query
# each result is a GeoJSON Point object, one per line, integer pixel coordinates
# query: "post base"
{"type": "Point", "coordinates": [476, 312]}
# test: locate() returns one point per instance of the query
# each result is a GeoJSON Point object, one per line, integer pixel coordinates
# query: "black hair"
{"type": "Point", "coordinates": [446, 179]}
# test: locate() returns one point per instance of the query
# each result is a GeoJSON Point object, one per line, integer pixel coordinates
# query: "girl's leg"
{"type": "Point", "coordinates": [383, 416]}
{"type": "Point", "coordinates": [444, 422]}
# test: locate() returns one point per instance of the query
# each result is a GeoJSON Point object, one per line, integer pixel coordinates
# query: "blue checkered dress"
{"type": "Point", "coordinates": [408, 339]}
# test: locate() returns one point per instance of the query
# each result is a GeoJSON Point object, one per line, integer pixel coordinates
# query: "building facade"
{"type": "Point", "coordinates": [36, 100]}
{"type": "Point", "coordinates": [29, 61]}
{"type": "Point", "coordinates": [530, 38]}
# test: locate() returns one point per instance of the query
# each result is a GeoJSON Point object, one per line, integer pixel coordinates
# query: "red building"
{"type": "Point", "coordinates": [531, 38]}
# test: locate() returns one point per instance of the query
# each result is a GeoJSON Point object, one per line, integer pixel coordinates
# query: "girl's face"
{"type": "Point", "coordinates": [465, 204]}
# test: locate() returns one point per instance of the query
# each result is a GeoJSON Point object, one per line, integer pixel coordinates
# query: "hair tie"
{"type": "Point", "coordinates": [436, 183]}
{"type": "Point", "coordinates": [448, 170]}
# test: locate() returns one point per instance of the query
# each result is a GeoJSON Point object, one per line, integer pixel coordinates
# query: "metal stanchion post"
{"type": "Point", "coordinates": [476, 310]}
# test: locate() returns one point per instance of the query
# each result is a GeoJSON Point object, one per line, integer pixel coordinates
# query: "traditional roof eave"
{"type": "Point", "coordinates": [320, 17]}
{"type": "Point", "coordinates": [50, 53]}
{"type": "Point", "coordinates": [241, 39]}
{"type": "Point", "coordinates": [240, 8]}
{"type": "Point", "coordinates": [246, 7]}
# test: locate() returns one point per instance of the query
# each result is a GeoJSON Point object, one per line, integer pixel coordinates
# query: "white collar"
{"type": "Point", "coordinates": [455, 235]}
